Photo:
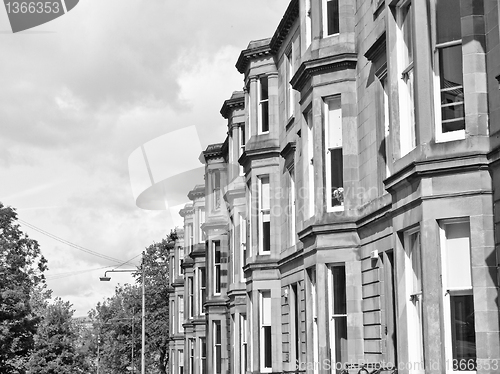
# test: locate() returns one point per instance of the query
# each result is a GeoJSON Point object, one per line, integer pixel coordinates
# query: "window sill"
{"type": "Point", "coordinates": [338, 208]}
{"type": "Point", "coordinates": [450, 136]}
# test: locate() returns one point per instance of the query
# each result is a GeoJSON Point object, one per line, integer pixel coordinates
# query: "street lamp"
{"type": "Point", "coordinates": [143, 316]}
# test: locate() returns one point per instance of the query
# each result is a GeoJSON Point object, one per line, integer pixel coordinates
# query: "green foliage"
{"type": "Point", "coordinates": [21, 272]}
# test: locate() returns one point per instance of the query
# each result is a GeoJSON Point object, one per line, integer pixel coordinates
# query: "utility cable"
{"type": "Point", "coordinates": [76, 246]}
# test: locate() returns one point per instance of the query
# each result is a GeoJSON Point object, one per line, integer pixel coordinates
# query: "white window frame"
{"type": "Point", "coordinates": [290, 103]}
{"type": "Point", "coordinates": [415, 332]}
{"type": "Point", "coordinates": [217, 265]}
{"type": "Point", "coordinates": [243, 324]}
{"type": "Point", "coordinates": [449, 291]}
{"type": "Point", "coordinates": [241, 130]}
{"type": "Point", "coordinates": [191, 346]}
{"type": "Point", "coordinates": [190, 289]}
{"type": "Point", "coordinates": [180, 306]}
{"type": "Point", "coordinates": [203, 358]}
{"type": "Point", "coordinates": [262, 326]}
{"type": "Point", "coordinates": [243, 244]}
{"type": "Point", "coordinates": [216, 190]}
{"type": "Point", "coordinates": [261, 103]}
{"type": "Point", "coordinates": [292, 207]}
{"type": "Point", "coordinates": [325, 18]}
{"type": "Point", "coordinates": [332, 316]}
{"type": "Point", "coordinates": [308, 23]}
{"type": "Point", "coordinates": [217, 345]}
{"type": "Point", "coordinates": [314, 316]}
{"type": "Point", "coordinates": [264, 214]}
{"type": "Point", "coordinates": [327, 151]}
{"type": "Point", "coordinates": [442, 137]}
{"type": "Point", "coordinates": [180, 366]}
{"type": "Point", "coordinates": [408, 135]}
{"type": "Point", "coordinates": [309, 163]}
{"type": "Point", "coordinates": [202, 279]}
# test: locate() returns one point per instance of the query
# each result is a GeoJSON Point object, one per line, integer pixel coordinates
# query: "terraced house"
{"type": "Point", "coordinates": [351, 214]}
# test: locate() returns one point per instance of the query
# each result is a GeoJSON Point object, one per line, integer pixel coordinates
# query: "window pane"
{"type": "Point", "coordinates": [267, 347]}
{"type": "Point", "coordinates": [452, 93]}
{"type": "Point", "coordinates": [265, 194]}
{"type": "Point", "coordinates": [337, 174]}
{"type": "Point", "coordinates": [463, 332]}
{"type": "Point", "coordinates": [334, 123]}
{"type": "Point", "coordinates": [333, 16]}
{"type": "Point", "coordinates": [448, 21]}
{"type": "Point", "coordinates": [266, 234]}
{"type": "Point", "coordinates": [407, 29]}
{"type": "Point", "coordinates": [341, 339]}
{"type": "Point", "coordinates": [264, 92]}
{"type": "Point", "coordinates": [265, 116]}
{"type": "Point", "coordinates": [458, 266]}
{"type": "Point", "coordinates": [339, 290]}
{"type": "Point", "coordinates": [266, 308]}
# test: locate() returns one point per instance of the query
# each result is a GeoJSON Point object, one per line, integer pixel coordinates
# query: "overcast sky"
{"type": "Point", "coordinates": [79, 94]}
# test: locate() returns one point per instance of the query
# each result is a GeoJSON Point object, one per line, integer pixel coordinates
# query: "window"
{"type": "Point", "coordinates": [458, 305]}
{"type": "Point", "coordinates": [290, 104]}
{"type": "Point", "coordinates": [203, 289]}
{"type": "Point", "coordinates": [330, 17]}
{"type": "Point", "coordinates": [242, 145]}
{"type": "Point", "coordinates": [191, 355]}
{"type": "Point", "coordinates": [334, 165]}
{"type": "Point", "coordinates": [180, 302]}
{"type": "Point", "coordinates": [309, 163]}
{"type": "Point", "coordinates": [448, 54]}
{"type": "Point", "coordinates": [217, 368]}
{"type": "Point", "coordinates": [173, 314]}
{"type": "Point", "coordinates": [338, 316]}
{"type": "Point", "coordinates": [308, 23]}
{"type": "Point", "coordinates": [406, 86]}
{"type": "Point", "coordinates": [263, 105]}
{"type": "Point", "coordinates": [389, 289]}
{"type": "Point", "coordinates": [243, 246]}
{"type": "Point", "coordinates": [181, 361]}
{"type": "Point", "coordinates": [189, 237]}
{"type": "Point", "coordinates": [413, 278]}
{"type": "Point", "coordinates": [244, 343]}
{"type": "Point", "coordinates": [295, 337]}
{"type": "Point", "coordinates": [250, 209]}
{"type": "Point", "coordinates": [190, 297]}
{"type": "Point", "coordinates": [201, 235]}
{"type": "Point", "coordinates": [314, 316]}
{"type": "Point", "coordinates": [217, 266]}
{"type": "Point", "coordinates": [203, 356]}
{"type": "Point", "coordinates": [216, 189]}
{"type": "Point", "coordinates": [386, 150]}
{"type": "Point", "coordinates": [264, 215]}
{"type": "Point", "coordinates": [180, 259]}
{"type": "Point", "coordinates": [291, 208]}
{"type": "Point", "coordinates": [265, 331]}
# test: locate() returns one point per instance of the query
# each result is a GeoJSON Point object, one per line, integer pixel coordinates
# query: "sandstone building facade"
{"type": "Point", "coordinates": [351, 215]}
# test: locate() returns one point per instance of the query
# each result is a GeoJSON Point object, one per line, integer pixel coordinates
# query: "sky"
{"type": "Point", "coordinates": [80, 96]}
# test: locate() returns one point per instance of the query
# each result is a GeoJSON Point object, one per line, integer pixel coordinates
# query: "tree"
{"type": "Point", "coordinates": [115, 318]}
{"type": "Point", "coordinates": [21, 271]}
{"type": "Point", "coordinates": [55, 343]}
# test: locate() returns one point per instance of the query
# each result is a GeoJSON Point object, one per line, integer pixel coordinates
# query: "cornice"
{"type": "Point", "coordinates": [237, 100]}
{"type": "Point", "coordinates": [322, 65]}
{"type": "Point", "coordinates": [288, 150]}
{"type": "Point", "coordinates": [187, 210]}
{"type": "Point", "coordinates": [261, 48]}
{"type": "Point", "coordinates": [258, 153]}
{"type": "Point", "coordinates": [377, 48]}
{"type": "Point", "coordinates": [198, 251]}
{"type": "Point", "coordinates": [196, 192]}
{"type": "Point", "coordinates": [213, 151]}
{"type": "Point", "coordinates": [291, 14]}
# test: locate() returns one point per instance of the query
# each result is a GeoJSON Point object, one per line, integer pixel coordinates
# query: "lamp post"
{"type": "Point", "coordinates": [143, 316]}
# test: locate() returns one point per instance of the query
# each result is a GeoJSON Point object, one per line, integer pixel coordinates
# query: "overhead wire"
{"type": "Point", "coordinates": [73, 245]}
